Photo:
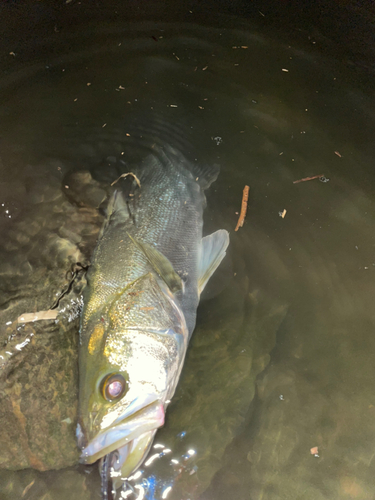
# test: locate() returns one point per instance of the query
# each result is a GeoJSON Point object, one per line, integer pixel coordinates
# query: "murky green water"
{"type": "Point", "coordinates": [281, 361]}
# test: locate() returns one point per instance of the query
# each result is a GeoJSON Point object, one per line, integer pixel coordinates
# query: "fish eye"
{"type": "Point", "coordinates": [114, 386]}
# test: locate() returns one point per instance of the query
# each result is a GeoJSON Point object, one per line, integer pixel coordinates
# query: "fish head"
{"type": "Point", "coordinates": [126, 381]}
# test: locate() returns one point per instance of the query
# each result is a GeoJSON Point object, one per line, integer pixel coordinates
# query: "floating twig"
{"type": "Point", "coordinates": [125, 175]}
{"type": "Point", "coordinates": [245, 197]}
{"type": "Point", "coordinates": [27, 488]}
{"type": "Point", "coordinates": [30, 317]}
{"type": "Point", "coordinates": [308, 178]}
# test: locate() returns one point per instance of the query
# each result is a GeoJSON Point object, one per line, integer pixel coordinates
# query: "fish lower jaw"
{"type": "Point", "coordinates": [130, 458]}
{"type": "Point", "coordinates": [122, 434]}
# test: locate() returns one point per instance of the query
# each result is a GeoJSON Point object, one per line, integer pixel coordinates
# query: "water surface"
{"type": "Point", "coordinates": [275, 400]}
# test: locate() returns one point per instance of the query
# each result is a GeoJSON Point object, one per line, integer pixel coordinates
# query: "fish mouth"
{"type": "Point", "coordinates": [126, 460]}
{"type": "Point", "coordinates": [125, 434]}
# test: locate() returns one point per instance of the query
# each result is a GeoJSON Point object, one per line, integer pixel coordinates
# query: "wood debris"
{"type": "Point", "coordinates": [27, 488]}
{"type": "Point", "coordinates": [37, 316]}
{"type": "Point", "coordinates": [125, 175]}
{"type": "Point", "coordinates": [338, 154]}
{"type": "Point", "coordinates": [245, 197]}
{"type": "Point", "coordinates": [308, 178]}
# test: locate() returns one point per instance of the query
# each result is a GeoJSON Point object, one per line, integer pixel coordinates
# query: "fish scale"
{"type": "Point", "coordinates": [168, 215]}
{"type": "Point", "coordinates": [130, 313]}
{"type": "Point", "coordinates": [143, 286]}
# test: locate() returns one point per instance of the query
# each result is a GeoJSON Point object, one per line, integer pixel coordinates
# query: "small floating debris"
{"type": "Point", "coordinates": [12, 54]}
{"type": "Point", "coordinates": [282, 214]}
{"type": "Point", "coordinates": [31, 317]}
{"type": "Point", "coordinates": [338, 154]}
{"type": "Point", "coordinates": [245, 197]}
{"type": "Point", "coordinates": [309, 178]}
{"type": "Point", "coordinates": [285, 70]}
{"type": "Point", "coordinates": [204, 69]}
{"type": "Point", "coordinates": [217, 139]}
{"type": "Point", "coordinates": [314, 451]}
{"type": "Point", "coordinates": [27, 488]}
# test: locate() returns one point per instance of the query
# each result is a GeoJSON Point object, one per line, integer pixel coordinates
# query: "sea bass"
{"type": "Point", "coordinates": [148, 270]}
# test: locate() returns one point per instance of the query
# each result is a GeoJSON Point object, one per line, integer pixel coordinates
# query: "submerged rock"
{"type": "Point", "coordinates": [54, 485]}
{"type": "Point", "coordinates": [39, 398]}
{"type": "Point", "coordinates": [39, 361]}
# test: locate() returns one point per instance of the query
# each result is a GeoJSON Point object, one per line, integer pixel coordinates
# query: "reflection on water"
{"type": "Point", "coordinates": [275, 400]}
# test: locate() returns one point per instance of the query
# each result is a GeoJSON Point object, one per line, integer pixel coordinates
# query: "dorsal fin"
{"type": "Point", "coordinates": [212, 252]}
{"type": "Point", "coordinates": [116, 208]}
{"type": "Point", "coordinates": [203, 174]}
{"type": "Point", "coordinates": [161, 265]}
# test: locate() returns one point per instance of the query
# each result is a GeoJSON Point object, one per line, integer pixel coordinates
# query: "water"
{"type": "Point", "coordinates": [281, 360]}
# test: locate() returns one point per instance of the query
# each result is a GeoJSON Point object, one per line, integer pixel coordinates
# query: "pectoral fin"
{"type": "Point", "coordinates": [212, 251]}
{"type": "Point", "coordinates": [161, 265]}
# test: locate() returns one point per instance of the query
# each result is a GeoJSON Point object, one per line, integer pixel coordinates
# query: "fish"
{"type": "Point", "coordinates": [148, 270]}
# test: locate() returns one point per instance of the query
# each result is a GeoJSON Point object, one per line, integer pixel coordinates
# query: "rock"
{"type": "Point", "coordinates": [39, 361]}
{"type": "Point", "coordinates": [59, 485]}
{"type": "Point", "coordinates": [39, 391]}
{"type": "Point", "coordinates": [81, 189]}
